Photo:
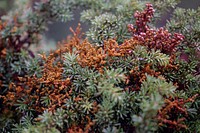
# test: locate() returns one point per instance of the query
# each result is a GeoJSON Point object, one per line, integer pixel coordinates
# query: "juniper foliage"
{"type": "Point", "coordinates": [121, 78]}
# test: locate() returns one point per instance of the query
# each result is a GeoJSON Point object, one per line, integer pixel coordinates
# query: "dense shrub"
{"type": "Point", "coordinates": [125, 76]}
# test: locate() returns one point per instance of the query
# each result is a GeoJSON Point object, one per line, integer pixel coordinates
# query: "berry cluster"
{"type": "Point", "coordinates": [158, 39]}
{"type": "Point", "coordinates": [142, 18]}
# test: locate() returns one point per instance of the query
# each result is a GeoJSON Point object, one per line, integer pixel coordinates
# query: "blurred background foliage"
{"type": "Point", "coordinates": [58, 30]}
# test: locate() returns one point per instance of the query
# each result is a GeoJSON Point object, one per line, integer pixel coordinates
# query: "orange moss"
{"type": "Point", "coordinates": [32, 89]}
{"type": "Point", "coordinates": [83, 128]}
{"type": "Point", "coordinates": [137, 76]}
{"type": "Point", "coordinates": [93, 56]}
{"type": "Point", "coordinates": [170, 113]}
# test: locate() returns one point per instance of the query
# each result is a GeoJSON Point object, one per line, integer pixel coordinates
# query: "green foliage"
{"type": "Point", "coordinates": [152, 57]}
{"type": "Point", "coordinates": [103, 28]}
{"type": "Point", "coordinates": [187, 75]}
{"type": "Point", "coordinates": [188, 23]}
{"type": "Point", "coordinates": [154, 86]}
{"type": "Point", "coordinates": [59, 9]}
{"type": "Point", "coordinates": [165, 5]}
{"type": "Point", "coordinates": [137, 88]}
{"type": "Point", "coordinates": [107, 19]}
{"type": "Point", "coordinates": [153, 92]}
{"type": "Point", "coordinates": [145, 121]}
